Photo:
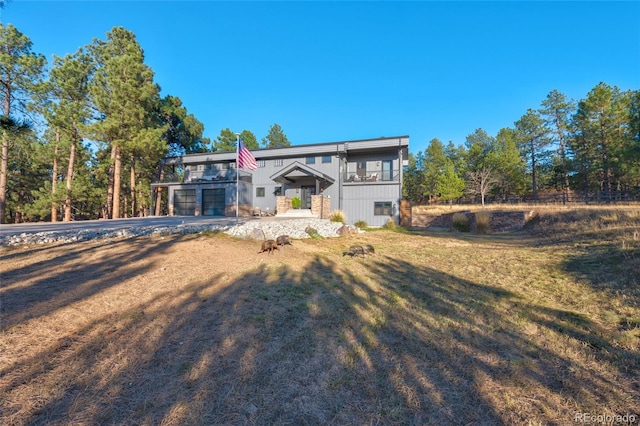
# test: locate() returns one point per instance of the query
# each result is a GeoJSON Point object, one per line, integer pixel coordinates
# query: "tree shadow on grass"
{"type": "Point", "coordinates": [333, 344]}
{"type": "Point", "coordinates": [39, 289]}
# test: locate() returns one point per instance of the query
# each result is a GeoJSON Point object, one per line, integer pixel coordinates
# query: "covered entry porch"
{"type": "Point", "coordinates": [300, 180]}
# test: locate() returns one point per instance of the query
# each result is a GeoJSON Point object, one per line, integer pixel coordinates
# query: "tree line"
{"type": "Point", "coordinates": [84, 136]}
{"type": "Point", "coordinates": [565, 150]}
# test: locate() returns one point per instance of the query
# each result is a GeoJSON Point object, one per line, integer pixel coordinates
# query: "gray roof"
{"type": "Point", "coordinates": [326, 148]}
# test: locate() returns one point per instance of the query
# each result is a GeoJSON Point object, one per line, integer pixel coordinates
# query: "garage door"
{"type": "Point", "coordinates": [213, 202]}
{"type": "Point", "coordinates": [184, 202]}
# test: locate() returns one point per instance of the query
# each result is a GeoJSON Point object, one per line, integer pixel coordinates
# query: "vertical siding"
{"type": "Point", "coordinates": [356, 200]}
{"type": "Point", "coordinates": [359, 202]}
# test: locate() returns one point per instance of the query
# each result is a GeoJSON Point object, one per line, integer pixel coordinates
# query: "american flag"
{"type": "Point", "coordinates": [245, 158]}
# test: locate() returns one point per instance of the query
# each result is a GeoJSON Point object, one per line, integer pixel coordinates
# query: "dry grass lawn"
{"type": "Point", "coordinates": [529, 327]}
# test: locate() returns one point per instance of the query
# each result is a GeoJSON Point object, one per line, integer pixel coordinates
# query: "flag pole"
{"type": "Point", "coordinates": [237, 174]}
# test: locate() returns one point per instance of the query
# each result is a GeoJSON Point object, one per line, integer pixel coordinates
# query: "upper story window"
{"type": "Point", "coordinates": [260, 163]}
{"type": "Point", "coordinates": [277, 162]}
{"type": "Point", "coordinates": [311, 160]}
{"type": "Point", "coordinates": [326, 158]}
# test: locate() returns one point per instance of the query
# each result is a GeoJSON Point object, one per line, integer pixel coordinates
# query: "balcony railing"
{"type": "Point", "coordinates": [371, 176]}
{"type": "Point", "coordinates": [203, 176]}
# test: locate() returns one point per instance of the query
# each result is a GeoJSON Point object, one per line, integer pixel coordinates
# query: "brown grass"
{"type": "Point", "coordinates": [529, 327]}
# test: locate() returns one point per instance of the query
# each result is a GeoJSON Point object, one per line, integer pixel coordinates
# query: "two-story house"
{"type": "Point", "coordinates": [362, 178]}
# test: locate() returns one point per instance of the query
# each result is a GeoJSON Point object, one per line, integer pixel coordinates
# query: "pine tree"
{"type": "Point", "coordinates": [20, 72]}
{"type": "Point", "coordinates": [68, 112]}
{"type": "Point", "coordinates": [532, 137]}
{"type": "Point", "coordinates": [600, 125]}
{"type": "Point", "coordinates": [557, 111]}
{"type": "Point", "coordinates": [276, 138]}
{"type": "Point", "coordinates": [126, 97]}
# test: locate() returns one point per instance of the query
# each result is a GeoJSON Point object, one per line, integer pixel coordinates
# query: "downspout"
{"type": "Point", "coordinates": [400, 175]}
{"type": "Point", "coordinates": [341, 166]}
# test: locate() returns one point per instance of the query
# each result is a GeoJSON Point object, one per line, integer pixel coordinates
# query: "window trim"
{"type": "Point", "coordinates": [382, 207]}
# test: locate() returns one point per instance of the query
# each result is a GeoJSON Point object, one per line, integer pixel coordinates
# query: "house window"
{"type": "Point", "coordinates": [260, 192]}
{"type": "Point", "coordinates": [326, 158]}
{"type": "Point", "coordinates": [277, 162]}
{"type": "Point", "coordinates": [311, 160]}
{"type": "Point", "coordinates": [260, 163]}
{"type": "Point", "coordinates": [382, 208]}
{"type": "Point", "coordinates": [387, 170]}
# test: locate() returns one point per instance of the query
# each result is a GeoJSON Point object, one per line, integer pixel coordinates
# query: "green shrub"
{"type": "Point", "coordinates": [338, 216]}
{"type": "Point", "coordinates": [483, 222]}
{"type": "Point", "coordinates": [361, 224]}
{"type": "Point", "coordinates": [461, 222]}
{"type": "Point", "coordinates": [296, 202]}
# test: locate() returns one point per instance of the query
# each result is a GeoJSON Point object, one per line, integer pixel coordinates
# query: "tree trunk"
{"type": "Point", "coordinates": [70, 171]}
{"type": "Point", "coordinates": [132, 186]}
{"type": "Point", "coordinates": [110, 183]}
{"type": "Point", "coordinates": [4, 166]}
{"type": "Point", "coordinates": [533, 172]}
{"type": "Point", "coordinates": [54, 179]}
{"type": "Point", "coordinates": [117, 173]}
{"type": "Point", "coordinates": [159, 193]}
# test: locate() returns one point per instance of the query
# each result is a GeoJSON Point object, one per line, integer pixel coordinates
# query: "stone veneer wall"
{"type": "Point", "coordinates": [320, 206]}
{"type": "Point", "coordinates": [283, 204]}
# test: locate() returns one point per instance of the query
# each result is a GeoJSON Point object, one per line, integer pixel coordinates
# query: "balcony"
{"type": "Point", "coordinates": [206, 176]}
{"type": "Point", "coordinates": [371, 176]}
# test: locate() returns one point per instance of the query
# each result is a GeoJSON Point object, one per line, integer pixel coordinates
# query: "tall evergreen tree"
{"type": "Point", "coordinates": [183, 133]}
{"type": "Point", "coordinates": [226, 141]}
{"type": "Point", "coordinates": [68, 112]}
{"type": "Point", "coordinates": [21, 70]}
{"type": "Point", "coordinates": [435, 162]}
{"type": "Point", "coordinates": [508, 164]}
{"type": "Point", "coordinates": [532, 136]}
{"type": "Point", "coordinates": [249, 140]}
{"type": "Point", "coordinates": [275, 138]}
{"type": "Point", "coordinates": [413, 179]}
{"type": "Point", "coordinates": [450, 186]}
{"type": "Point", "coordinates": [126, 97]}
{"type": "Point", "coordinates": [557, 111]}
{"type": "Point", "coordinates": [600, 123]}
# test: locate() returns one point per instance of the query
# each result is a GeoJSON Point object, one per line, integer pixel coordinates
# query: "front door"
{"type": "Point", "coordinates": [306, 193]}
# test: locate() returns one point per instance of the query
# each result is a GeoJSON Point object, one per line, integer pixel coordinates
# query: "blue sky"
{"type": "Point", "coordinates": [335, 71]}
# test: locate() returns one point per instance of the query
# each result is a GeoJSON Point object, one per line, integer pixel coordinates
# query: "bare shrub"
{"type": "Point", "coordinates": [483, 222]}
{"type": "Point", "coordinates": [461, 222]}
